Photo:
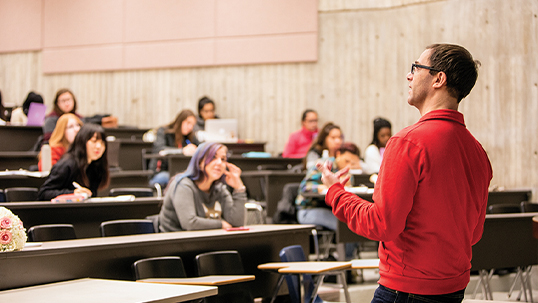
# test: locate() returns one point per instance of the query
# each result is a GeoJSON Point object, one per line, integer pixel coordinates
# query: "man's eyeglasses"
{"type": "Point", "coordinates": [414, 67]}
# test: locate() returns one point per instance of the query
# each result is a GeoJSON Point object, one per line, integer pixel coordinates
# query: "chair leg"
{"type": "Point", "coordinates": [277, 288]}
{"type": "Point", "coordinates": [344, 285]}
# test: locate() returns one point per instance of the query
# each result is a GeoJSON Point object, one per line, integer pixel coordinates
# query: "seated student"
{"type": "Point", "coordinates": [299, 142]}
{"type": "Point", "coordinates": [206, 111]}
{"type": "Point", "coordinates": [63, 135]}
{"type": "Point", "coordinates": [199, 198]}
{"type": "Point", "coordinates": [374, 152]}
{"type": "Point", "coordinates": [19, 116]}
{"type": "Point", "coordinates": [315, 211]}
{"type": "Point", "coordinates": [85, 163]}
{"type": "Point", "coordinates": [329, 138]}
{"type": "Point", "coordinates": [3, 116]}
{"type": "Point", "coordinates": [177, 134]}
{"type": "Point", "coordinates": [64, 102]}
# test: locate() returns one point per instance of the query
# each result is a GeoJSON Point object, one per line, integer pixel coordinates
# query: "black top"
{"type": "Point", "coordinates": [62, 175]}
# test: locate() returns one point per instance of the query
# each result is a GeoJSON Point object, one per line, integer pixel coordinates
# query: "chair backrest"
{"type": "Point", "coordinates": [2, 196]}
{"type": "Point", "coordinates": [224, 263]}
{"type": "Point", "coordinates": [285, 211]}
{"type": "Point", "coordinates": [159, 267]}
{"type": "Point", "coordinates": [295, 253]}
{"type": "Point", "coordinates": [528, 207]}
{"type": "Point", "coordinates": [51, 232]}
{"type": "Point", "coordinates": [504, 208]}
{"type": "Point", "coordinates": [135, 191]}
{"type": "Point", "coordinates": [20, 194]}
{"type": "Point", "coordinates": [126, 227]}
{"type": "Point", "coordinates": [254, 214]}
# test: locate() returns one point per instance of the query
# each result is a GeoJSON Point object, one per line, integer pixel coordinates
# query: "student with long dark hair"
{"type": "Point", "coordinates": [84, 163]}
{"type": "Point", "coordinates": [199, 198]}
{"type": "Point", "coordinates": [177, 134]}
{"type": "Point", "coordinates": [330, 138]}
{"type": "Point", "coordinates": [374, 152]}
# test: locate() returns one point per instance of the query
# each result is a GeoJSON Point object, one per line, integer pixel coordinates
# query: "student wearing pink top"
{"type": "Point", "coordinates": [300, 141]}
{"type": "Point", "coordinates": [431, 194]}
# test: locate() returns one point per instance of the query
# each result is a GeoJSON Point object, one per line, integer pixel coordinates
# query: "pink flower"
{"type": "Point", "coordinates": [5, 237]}
{"type": "Point", "coordinates": [5, 222]}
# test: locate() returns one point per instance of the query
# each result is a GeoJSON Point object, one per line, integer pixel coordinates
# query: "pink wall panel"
{"type": "Point", "coordinates": [258, 17]}
{"type": "Point", "coordinates": [20, 25]}
{"type": "Point", "coordinates": [83, 59]}
{"type": "Point", "coordinates": [166, 20]}
{"type": "Point", "coordinates": [175, 54]}
{"type": "Point", "coordinates": [82, 22]}
{"type": "Point", "coordinates": [267, 49]}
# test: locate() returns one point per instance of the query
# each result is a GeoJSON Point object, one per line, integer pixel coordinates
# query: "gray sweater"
{"type": "Point", "coordinates": [183, 207]}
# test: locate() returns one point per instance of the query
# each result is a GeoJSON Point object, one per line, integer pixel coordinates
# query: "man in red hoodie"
{"type": "Point", "coordinates": [431, 193]}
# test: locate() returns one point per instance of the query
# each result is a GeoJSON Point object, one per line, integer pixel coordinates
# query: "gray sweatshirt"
{"type": "Point", "coordinates": [186, 207]}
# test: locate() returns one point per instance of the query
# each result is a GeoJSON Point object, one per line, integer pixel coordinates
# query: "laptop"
{"type": "Point", "coordinates": [36, 114]}
{"type": "Point", "coordinates": [221, 130]}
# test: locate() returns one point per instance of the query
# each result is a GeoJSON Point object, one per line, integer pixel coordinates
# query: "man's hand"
{"type": "Point", "coordinates": [329, 178]}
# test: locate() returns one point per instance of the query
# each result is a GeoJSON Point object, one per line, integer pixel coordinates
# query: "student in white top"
{"type": "Point", "coordinates": [374, 152]}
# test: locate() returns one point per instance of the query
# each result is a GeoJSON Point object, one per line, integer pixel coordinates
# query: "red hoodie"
{"type": "Point", "coordinates": [429, 205]}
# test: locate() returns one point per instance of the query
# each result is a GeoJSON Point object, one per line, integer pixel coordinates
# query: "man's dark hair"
{"type": "Point", "coordinates": [459, 66]}
{"type": "Point", "coordinates": [350, 148]}
{"type": "Point", "coordinates": [306, 113]}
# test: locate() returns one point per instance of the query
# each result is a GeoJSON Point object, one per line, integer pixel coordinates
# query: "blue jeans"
{"type": "Point", "coordinates": [162, 178]}
{"type": "Point", "coordinates": [387, 295]}
{"type": "Point", "coordinates": [323, 217]}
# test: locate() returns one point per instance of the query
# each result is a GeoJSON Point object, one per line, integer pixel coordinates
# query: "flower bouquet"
{"type": "Point", "coordinates": [12, 232]}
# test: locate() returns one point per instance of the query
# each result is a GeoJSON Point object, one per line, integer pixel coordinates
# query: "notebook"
{"type": "Point", "coordinates": [36, 114]}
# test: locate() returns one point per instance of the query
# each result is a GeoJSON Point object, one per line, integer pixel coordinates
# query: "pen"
{"type": "Point", "coordinates": [76, 185]}
{"type": "Point", "coordinates": [187, 141]}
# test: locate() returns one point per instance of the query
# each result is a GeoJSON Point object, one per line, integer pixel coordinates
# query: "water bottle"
{"type": "Point", "coordinates": [46, 161]}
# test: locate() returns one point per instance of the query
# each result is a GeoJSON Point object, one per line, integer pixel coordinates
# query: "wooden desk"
{"type": "Point", "coordinates": [126, 132]}
{"type": "Point", "coordinates": [509, 196]}
{"type": "Point", "coordinates": [20, 138]}
{"type": "Point", "coordinates": [365, 263]}
{"type": "Point", "coordinates": [130, 154]}
{"type": "Point", "coordinates": [205, 280]}
{"type": "Point", "coordinates": [267, 185]}
{"type": "Point", "coordinates": [320, 268]}
{"type": "Point", "coordinates": [118, 178]}
{"type": "Point", "coordinates": [85, 216]}
{"type": "Point", "coordinates": [239, 148]}
{"type": "Point", "coordinates": [13, 160]}
{"type": "Point", "coordinates": [99, 290]}
{"type": "Point", "coordinates": [112, 257]}
{"type": "Point", "coordinates": [178, 163]}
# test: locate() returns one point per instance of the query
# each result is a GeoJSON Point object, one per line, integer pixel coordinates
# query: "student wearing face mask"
{"type": "Point", "coordinates": [84, 163]}
{"type": "Point", "coordinates": [62, 137]}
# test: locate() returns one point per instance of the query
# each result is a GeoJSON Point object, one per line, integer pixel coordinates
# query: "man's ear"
{"type": "Point", "coordinates": [440, 80]}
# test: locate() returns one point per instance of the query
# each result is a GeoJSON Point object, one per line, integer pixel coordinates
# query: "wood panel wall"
{"type": "Point", "coordinates": [365, 52]}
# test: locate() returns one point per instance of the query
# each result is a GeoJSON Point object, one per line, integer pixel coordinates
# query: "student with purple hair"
{"type": "Point", "coordinates": [199, 199]}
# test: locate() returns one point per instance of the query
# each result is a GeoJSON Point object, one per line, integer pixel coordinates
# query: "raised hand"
{"type": "Point", "coordinates": [329, 178]}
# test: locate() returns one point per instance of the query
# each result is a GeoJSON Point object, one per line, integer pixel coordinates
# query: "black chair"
{"type": "Point", "coordinates": [20, 194]}
{"type": "Point", "coordinates": [528, 207]}
{"type": "Point", "coordinates": [503, 209]}
{"type": "Point", "coordinates": [224, 263]}
{"type": "Point", "coordinates": [126, 227]}
{"type": "Point", "coordinates": [138, 192]}
{"type": "Point", "coordinates": [51, 232]}
{"type": "Point", "coordinates": [2, 196]}
{"type": "Point", "coordinates": [159, 267]}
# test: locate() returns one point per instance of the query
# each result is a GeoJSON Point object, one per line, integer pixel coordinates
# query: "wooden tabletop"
{"type": "Point", "coordinates": [100, 290]}
{"type": "Point", "coordinates": [365, 263]}
{"type": "Point", "coordinates": [216, 280]}
{"type": "Point", "coordinates": [307, 267]}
